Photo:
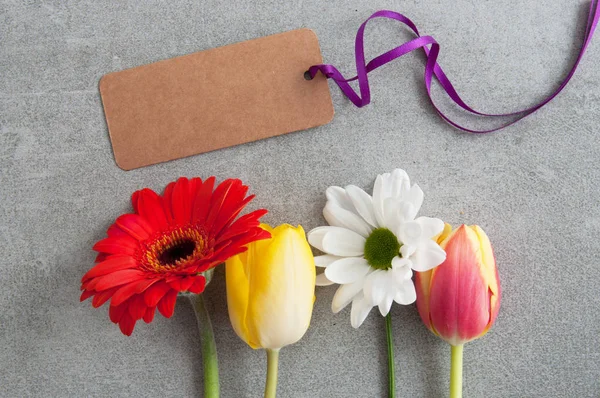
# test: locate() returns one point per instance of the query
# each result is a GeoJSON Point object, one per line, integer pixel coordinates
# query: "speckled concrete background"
{"type": "Point", "coordinates": [533, 187]}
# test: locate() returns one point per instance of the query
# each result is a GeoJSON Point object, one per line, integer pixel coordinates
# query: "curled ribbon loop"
{"type": "Point", "coordinates": [432, 68]}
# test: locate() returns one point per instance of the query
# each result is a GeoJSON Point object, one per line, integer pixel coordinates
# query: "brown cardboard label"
{"type": "Point", "coordinates": [215, 99]}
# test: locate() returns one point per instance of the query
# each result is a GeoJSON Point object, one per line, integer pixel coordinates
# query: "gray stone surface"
{"type": "Point", "coordinates": [533, 187]}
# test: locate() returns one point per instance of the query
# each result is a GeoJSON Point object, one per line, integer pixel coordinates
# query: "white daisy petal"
{"type": "Point", "coordinates": [315, 237]}
{"type": "Point", "coordinates": [430, 226]}
{"type": "Point", "coordinates": [325, 260]}
{"type": "Point", "coordinates": [360, 310]}
{"type": "Point", "coordinates": [406, 211]}
{"type": "Point", "coordinates": [347, 270]}
{"type": "Point", "coordinates": [415, 196]}
{"type": "Point", "coordinates": [340, 217]}
{"type": "Point", "coordinates": [401, 269]}
{"type": "Point", "coordinates": [399, 183]}
{"type": "Point", "coordinates": [378, 198]}
{"type": "Point", "coordinates": [343, 242]}
{"type": "Point", "coordinates": [338, 196]}
{"type": "Point", "coordinates": [322, 280]}
{"type": "Point", "coordinates": [406, 293]}
{"type": "Point", "coordinates": [407, 250]}
{"type": "Point", "coordinates": [363, 203]}
{"type": "Point", "coordinates": [375, 286]}
{"type": "Point", "coordinates": [410, 233]}
{"type": "Point", "coordinates": [391, 216]}
{"type": "Point", "coordinates": [427, 256]}
{"type": "Point", "coordinates": [345, 294]}
{"type": "Point", "coordinates": [386, 304]}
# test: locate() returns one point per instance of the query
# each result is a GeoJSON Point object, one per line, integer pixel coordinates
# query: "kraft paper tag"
{"type": "Point", "coordinates": [215, 99]}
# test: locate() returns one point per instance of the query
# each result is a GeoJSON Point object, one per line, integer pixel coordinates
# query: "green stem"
{"type": "Point", "coordinates": [272, 364]}
{"type": "Point", "coordinates": [456, 368]}
{"type": "Point", "coordinates": [390, 348]}
{"type": "Point", "coordinates": [208, 346]}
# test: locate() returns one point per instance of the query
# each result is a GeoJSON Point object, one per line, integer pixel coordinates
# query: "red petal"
{"type": "Point", "coordinates": [102, 297]}
{"type": "Point", "coordinates": [137, 307]}
{"type": "Point", "coordinates": [150, 208]}
{"type": "Point", "coordinates": [166, 306]}
{"type": "Point", "coordinates": [116, 279]}
{"type": "Point", "coordinates": [111, 264]}
{"type": "Point", "coordinates": [181, 284]}
{"type": "Point", "coordinates": [124, 293]}
{"type": "Point", "coordinates": [181, 202]}
{"type": "Point", "coordinates": [155, 293]}
{"type": "Point", "coordinates": [114, 231]}
{"type": "Point", "coordinates": [216, 202]}
{"type": "Point", "coordinates": [194, 186]}
{"type": "Point", "coordinates": [201, 203]}
{"type": "Point", "coordinates": [166, 201]}
{"type": "Point", "coordinates": [222, 256]}
{"type": "Point", "coordinates": [145, 284]}
{"type": "Point", "coordinates": [198, 285]}
{"type": "Point", "coordinates": [149, 315]}
{"type": "Point", "coordinates": [101, 257]}
{"type": "Point", "coordinates": [115, 313]}
{"type": "Point", "coordinates": [86, 294]}
{"type": "Point", "coordinates": [232, 209]}
{"type": "Point", "coordinates": [135, 225]}
{"type": "Point", "coordinates": [127, 324]}
{"type": "Point", "coordinates": [135, 198]}
{"type": "Point", "coordinates": [242, 224]}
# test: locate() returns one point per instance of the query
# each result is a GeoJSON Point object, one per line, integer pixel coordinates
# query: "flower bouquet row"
{"type": "Point", "coordinates": [376, 248]}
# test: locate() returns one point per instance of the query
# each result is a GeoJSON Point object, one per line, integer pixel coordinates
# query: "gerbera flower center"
{"type": "Point", "coordinates": [381, 247]}
{"type": "Point", "coordinates": [174, 249]}
{"type": "Point", "coordinates": [181, 251]}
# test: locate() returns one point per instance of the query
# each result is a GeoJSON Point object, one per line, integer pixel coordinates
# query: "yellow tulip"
{"type": "Point", "coordinates": [270, 289]}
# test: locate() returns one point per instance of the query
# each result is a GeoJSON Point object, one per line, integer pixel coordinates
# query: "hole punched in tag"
{"type": "Point", "coordinates": [307, 75]}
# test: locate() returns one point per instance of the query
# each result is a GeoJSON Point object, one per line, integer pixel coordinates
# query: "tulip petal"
{"type": "Point", "coordinates": [428, 255]}
{"type": "Point", "coordinates": [321, 280]}
{"type": "Point", "coordinates": [237, 284]}
{"type": "Point", "coordinates": [345, 294]}
{"type": "Point", "coordinates": [360, 309]}
{"type": "Point", "coordinates": [281, 288]}
{"type": "Point", "coordinates": [343, 242]}
{"type": "Point", "coordinates": [459, 302]}
{"type": "Point", "coordinates": [347, 270]}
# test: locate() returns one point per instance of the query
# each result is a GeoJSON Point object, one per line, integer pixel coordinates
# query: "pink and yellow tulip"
{"type": "Point", "coordinates": [459, 300]}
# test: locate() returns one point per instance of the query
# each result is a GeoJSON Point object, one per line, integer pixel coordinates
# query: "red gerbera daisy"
{"type": "Point", "coordinates": [166, 244]}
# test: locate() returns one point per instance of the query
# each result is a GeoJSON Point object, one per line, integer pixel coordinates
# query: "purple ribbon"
{"type": "Point", "coordinates": [433, 69]}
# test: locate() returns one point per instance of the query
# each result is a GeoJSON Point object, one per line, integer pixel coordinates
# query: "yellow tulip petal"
{"type": "Point", "coordinates": [444, 234]}
{"type": "Point", "coordinates": [237, 295]}
{"type": "Point", "coordinates": [487, 258]}
{"type": "Point", "coordinates": [282, 283]}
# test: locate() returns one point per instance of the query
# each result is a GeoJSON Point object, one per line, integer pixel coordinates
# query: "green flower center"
{"type": "Point", "coordinates": [381, 248]}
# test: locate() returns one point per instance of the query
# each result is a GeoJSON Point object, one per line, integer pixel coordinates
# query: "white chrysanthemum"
{"type": "Point", "coordinates": [374, 243]}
